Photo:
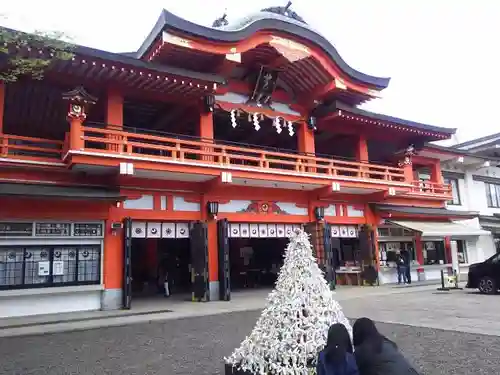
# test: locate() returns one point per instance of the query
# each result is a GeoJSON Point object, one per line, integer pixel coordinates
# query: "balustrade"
{"type": "Point", "coordinates": [29, 148]}
{"type": "Point", "coordinates": [208, 152]}
{"type": "Point", "coordinates": [215, 153]}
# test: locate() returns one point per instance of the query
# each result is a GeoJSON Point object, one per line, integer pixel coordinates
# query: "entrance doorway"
{"type": "Point", "coordinates": [156, 260]}
{"type": "Point", "coordinates": [346, 252]}
{"type": "Point", "coordinates": [165, 259]}
{"type": "Point", "coordinates": [255, 262]}
{"type": "Point", "coordinates": [256, 253]}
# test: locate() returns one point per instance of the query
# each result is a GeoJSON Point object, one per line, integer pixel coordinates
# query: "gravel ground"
{"type": "Point", "coordinates": [196, 347]}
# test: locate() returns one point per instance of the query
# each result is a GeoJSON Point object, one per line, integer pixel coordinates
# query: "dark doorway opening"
{"type": "Point", "coordinates": [156, 260]}
{"type": "Point", "coordinates": [346, 252]}
{"type": "Point", "coordinates": [255, 262]}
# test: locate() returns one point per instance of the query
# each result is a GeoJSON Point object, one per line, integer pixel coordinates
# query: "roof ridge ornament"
{"type": "Point", "coordinates": [221, 21]}
{"type": "Point", "coordinates": [285, 11]}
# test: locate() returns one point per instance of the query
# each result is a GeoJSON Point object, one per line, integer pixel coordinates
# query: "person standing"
{"type": "Point", "coordinates": [407, 262]}
{"type": "Point", "coordinates": [401, 268]}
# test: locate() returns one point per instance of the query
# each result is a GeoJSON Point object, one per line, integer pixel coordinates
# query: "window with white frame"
{"type": "Point", "coordinates": [455, 193]}
{"type": "Point", "coordinates": [493, 195]}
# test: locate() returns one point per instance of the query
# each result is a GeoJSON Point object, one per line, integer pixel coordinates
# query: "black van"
{"type": "Point", "coordinates": [485, 276]}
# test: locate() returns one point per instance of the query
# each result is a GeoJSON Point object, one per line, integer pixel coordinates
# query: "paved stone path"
{"type": "Point", "coordinates": [464, 310]}
{"type": "Point", "coordinates": [195, 346]}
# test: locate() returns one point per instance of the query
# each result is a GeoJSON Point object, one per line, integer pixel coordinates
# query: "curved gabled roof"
{"type": "Point", "coordinates": [245, 28]}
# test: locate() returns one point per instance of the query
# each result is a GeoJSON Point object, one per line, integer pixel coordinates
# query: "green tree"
{"type": "Point", "coordinates": [19, 59]}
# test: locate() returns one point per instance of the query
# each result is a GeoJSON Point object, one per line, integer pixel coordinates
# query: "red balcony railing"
{"type": "Point", "coordinates": [431, 188]}
{"type": "Point", "coordinates": [207, 152]}
{"type": "Point", "coordinates": [29, 148]}
{"type": "Point", "coordinates": [217, 154]}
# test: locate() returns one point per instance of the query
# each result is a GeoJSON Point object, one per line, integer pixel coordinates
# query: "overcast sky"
{"type": "Point", "coordinates": [443, 55]}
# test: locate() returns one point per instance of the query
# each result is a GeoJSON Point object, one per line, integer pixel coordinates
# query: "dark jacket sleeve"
{"type": "Point", "coordinates": [362, 357]}
{"type": "Point", "coordinates": [320, 368]}
{"type": "Point", "coordinates": [352, 367]}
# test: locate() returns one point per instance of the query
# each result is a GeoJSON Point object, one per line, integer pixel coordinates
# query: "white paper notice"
{"type": "Point", "coordinates": [43, 268]}
{"type": "Point", "coordinates": [58, 268]}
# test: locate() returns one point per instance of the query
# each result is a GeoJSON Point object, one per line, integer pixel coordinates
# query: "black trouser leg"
{"type": "Point", "coordinates": [408, 274]}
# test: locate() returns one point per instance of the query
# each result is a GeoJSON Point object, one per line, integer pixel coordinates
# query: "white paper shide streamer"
{"type": "Point", "coordinates": [293, 327]}
{"type": "Point", "coordinates": [255, 120]}
{"type": "Point", "coordinates": [233, 118]}
{"type": "Point", "coordinates": [290, 128]}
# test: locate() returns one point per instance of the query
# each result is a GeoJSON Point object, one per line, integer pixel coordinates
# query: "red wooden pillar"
{"type": "Point", "coordinates": [419, 251]}
{"type": "Point", "coordinates": [436, 175]}
{"type": "Point", "coordinates": [2, 104]}
{"type": "Point", "coordinates": [3, 141]}
{"type": "Point", "coordinates": [362, 149]}
{"type": "Point", "coordinates": [306, 144]}
{"type": "Point", "coordinates": [213, 245]}
{"type": "Point", "coordinates": [113, 262]}
{"type": "Point", "coordinates": [362, 154]}
{"type": "Point", "coordinates": [372, 219]}
{"type": "Point", "coordinates": [114, 118]}
{"type": "Point", "coordinates": [408, 173]}
{"type": "Point", "coordinates": [305, 138]}
{"type": "Point", "coordinates": [206, 133]}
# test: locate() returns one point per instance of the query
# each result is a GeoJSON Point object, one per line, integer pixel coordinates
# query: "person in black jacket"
{"type": "Point", "coordinates": [375, 354]}
{"type": "Point", "coordinates": [407, 261]}
{"type": "Point", "coordinates": [337, 358]}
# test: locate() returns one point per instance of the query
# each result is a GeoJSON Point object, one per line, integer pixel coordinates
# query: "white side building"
{"type": "Point", "coordinates": [473, 170]}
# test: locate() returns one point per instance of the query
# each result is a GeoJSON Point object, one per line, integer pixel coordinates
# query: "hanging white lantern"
{"type": "Point", "coordinates": [277, 125]}
{"type": "Point", "coordinates": [233, 118]}
{"type": "Point", "coordinates": [290, 128]}
{"type": "Point", "coordinates": [256, 121]}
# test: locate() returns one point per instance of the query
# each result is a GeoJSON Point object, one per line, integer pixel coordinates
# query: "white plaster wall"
{"type": "Point", "coordinates": [473, 193]}
{"type": "Point", "coordinates": [35, 304]}
{"type": "Point", "coordinates": [473, 198]}
{"type": "Point", "coordinates": [431, 273]}
{"type": "Point", "coordinates": [486, 248]}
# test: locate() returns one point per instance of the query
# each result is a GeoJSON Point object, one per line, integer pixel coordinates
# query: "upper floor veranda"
{"type": "Point", "coordinates": [105, 113]}
{"type": "Point", "coordinates": [183, 141]}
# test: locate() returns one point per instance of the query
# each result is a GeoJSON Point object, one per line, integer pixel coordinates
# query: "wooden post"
{"type": "Point", "coordinates": [3, 141]}
{"type": "Point", "coordinates": [113, 261]}
{"type": "Point", "coordinates": [408, 173]}
{"type": "Point", "coordinates": [306, 144]}
{"type": "Point", "coordinates": [362, 154]}
{"type": "Point", "coordinates": [362, 150]}
{"type": "Point", "coordinates": [305, 138]}
{"type": "Point", "coordinates": [436, 175]}
{"type": "Point", "coordinates": [79, 102]}
{"type": "Point", "coordinates": [75, 133]}
{"type": "Point", "coordinates": [114, 118]}
{"type": "Point", "coordinates": [2, 104]}
{"type": "Point", "coordinates": [206, 133]}
{"type": "Point", "coordinates": [213, 245]}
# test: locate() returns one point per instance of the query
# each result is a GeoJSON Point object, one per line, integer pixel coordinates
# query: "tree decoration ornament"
{"type": "Point", "coordinates": [290, 128]}
{"type": "Point", "coordinates": [293, 327]}
{"type": "Point", "coordinates": [277, 125]}
{"type": "Point", "coordinates": [255, 119]}
{"type": "Point", "coordinates": [233, 118]}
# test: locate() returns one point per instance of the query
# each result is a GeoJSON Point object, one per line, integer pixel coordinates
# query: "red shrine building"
{"type": "Point", "coordinates": [192, 159]}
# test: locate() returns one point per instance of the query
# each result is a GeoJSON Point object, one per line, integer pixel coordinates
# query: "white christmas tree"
{"type": "Point", "coordinates": [294, 324]}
